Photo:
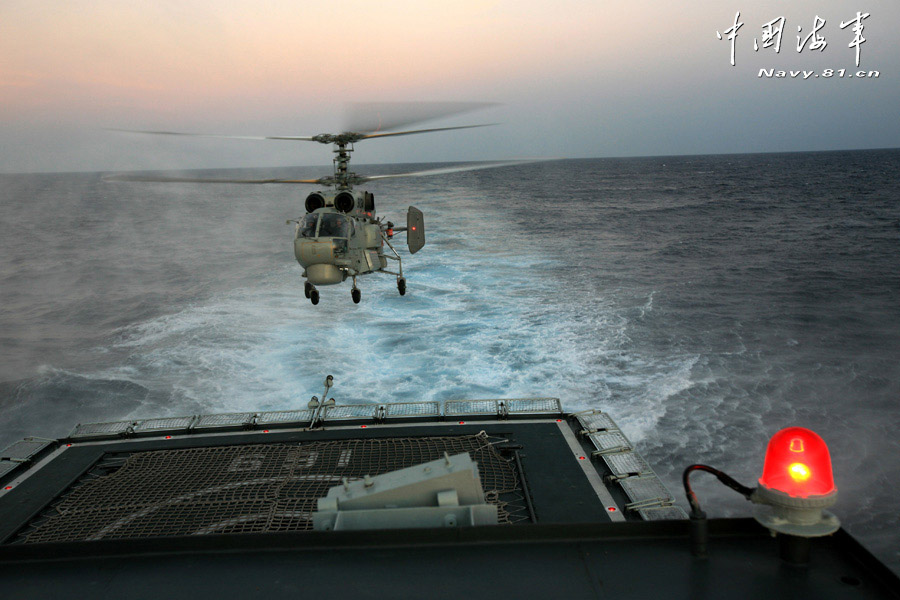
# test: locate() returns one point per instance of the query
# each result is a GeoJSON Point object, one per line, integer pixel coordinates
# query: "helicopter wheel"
{"type": "Point", "coordinates": [307, 288]}
{"type": "Point", "coordinates": [356, 295]}
{"type": "Point", "coordinates": [401, 286]}
{"type": "Point", "coordinates": [314, 296]}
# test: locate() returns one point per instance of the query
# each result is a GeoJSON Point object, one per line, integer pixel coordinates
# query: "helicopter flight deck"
{"type": "Point", "coordinates": [464, 498]}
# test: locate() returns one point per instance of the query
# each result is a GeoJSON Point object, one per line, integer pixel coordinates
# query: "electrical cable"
{"type": "Point", "coordinates": [699, 528]}
{"type": "Point", "coordinates": [745, 491]}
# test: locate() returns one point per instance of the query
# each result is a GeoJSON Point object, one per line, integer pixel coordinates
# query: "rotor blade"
{"type": "Point", "coordinates": [157, 179]}
{"type": "Point", "coordinates": [456, 169]}
{"type": "Point", "coordinates": [370, 117]}
{"type": "Point", "coordinates": [323, 138]}
{"type": "Point", "coordinates": [411, 132]}
{"type": "Point", "coordinates": [216, 135]}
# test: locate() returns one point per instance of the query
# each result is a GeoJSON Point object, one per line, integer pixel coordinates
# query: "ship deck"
{"type": "Point", "coordinates": [221, 505]}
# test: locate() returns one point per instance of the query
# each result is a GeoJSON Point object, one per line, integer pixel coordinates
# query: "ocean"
{"type": "Point", "coordinates": [705, 302]}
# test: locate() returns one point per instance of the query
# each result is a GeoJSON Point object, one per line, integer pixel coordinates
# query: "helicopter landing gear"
{"type": "Point", "coordinates": [355, 293]}
{"type": "Point", "coordinates": [401, 286]}
{"type": "Point", "coordinates": [311, 292]}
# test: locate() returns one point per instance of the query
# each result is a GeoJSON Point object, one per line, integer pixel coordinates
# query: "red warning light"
{"type": "Point", "coordinates": [462, 422]}
{"type": "Point", "coordinates": [363, 426]}
{"type": "Point", "coordinates": [582, 458]}
{"type": "Point", "coordinates": [265, 431]}
{"type": "Point", "coordinates": [9, 487]}
{"type": "Point", "coordinates": [414, 228]}
{"type": "Point", "coordinates": [168, 437]}
{"type": "Point", "coordinates": [611, 508]}
{"type": "Point", "coordinates": [798, 464]}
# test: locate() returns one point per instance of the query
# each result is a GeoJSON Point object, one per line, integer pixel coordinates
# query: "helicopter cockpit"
{"type": "Point", "coordinates": [307, 226]}
{"type": "Point", "coordinates": [334, 225]}
{"type": "Point", "coordinates": [329, 225]}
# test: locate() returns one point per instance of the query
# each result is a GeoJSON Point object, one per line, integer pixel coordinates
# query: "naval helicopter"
{"type": "Point", "coordinates": [340, 237]}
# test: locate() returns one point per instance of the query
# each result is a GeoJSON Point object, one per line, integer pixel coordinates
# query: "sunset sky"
{"type": "Point", "coordinates": [571, 78]}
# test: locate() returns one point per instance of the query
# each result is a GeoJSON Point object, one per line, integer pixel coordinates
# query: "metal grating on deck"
{"type": "Point", "coordinates": [470, 407]}
{"type": "Point", "coordinates": [229, 420]}
{"type": "Point", "coordinates": [646, 493]}
{"type": "Point", "coordinates": [349, 412]}
{"type": "Point", "coordinates": [361, 412]}
{"type": "Point", "coordinates": [534, 406]}
{"type": "Point", "coordinates": [7, 467]}
{"type": "Point", "coordinates": [609, 442]}
{"type": "Point", "coordinates": [25, 449]}
{"type": "Point", "coordinates": [624, 464]}
{"type": "Point", "coordinates": [165, 424]}
{"type": "Point", "coordinates": [284, 416]}
{"type": "Point", "coordinates": [595, 420]}
{"type": "Point", "coordinates": [643, 491]}
{"type": "Point", "coordinates": [246, 488]}
{"type": "Point", "coordinates": [102, 429]}
{"type": "Point", "coordinates": [662, 513]}
{"type": "Point", "coordinates": [399, 410]}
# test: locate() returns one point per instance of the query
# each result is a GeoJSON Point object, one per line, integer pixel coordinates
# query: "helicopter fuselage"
{"type": "Point", "coordinates": [332, 246]}
{"type": "Point", "coordinates": [340, 237]}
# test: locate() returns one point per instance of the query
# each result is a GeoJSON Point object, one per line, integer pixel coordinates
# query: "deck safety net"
{"type": "Point", "coordinates": [247, 489]}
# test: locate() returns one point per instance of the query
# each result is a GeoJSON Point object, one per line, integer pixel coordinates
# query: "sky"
{"type": "Point", "coordinates": [569, 78]}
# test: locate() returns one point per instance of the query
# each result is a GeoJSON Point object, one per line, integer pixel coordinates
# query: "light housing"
{"type": "Point", "coordinates": [798, 464]}
{"type": "Point", "coordinates": [796, 486]}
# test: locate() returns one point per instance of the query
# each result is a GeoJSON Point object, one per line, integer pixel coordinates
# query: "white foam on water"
{"type": "Point", "coordinates": [485, 316]}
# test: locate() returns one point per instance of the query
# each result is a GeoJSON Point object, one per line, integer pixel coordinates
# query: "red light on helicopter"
{"type": "Point", "coordinates": [798, 464]}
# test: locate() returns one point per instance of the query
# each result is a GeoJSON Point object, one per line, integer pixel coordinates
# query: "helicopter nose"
{"type": "Point", "coordinates": [309, 252]}
{"type": "Point", "coordinates": [324, 274]}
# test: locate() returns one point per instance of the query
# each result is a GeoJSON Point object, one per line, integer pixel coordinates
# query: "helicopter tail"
{"type": "Point", "coordinates": [415, 229]}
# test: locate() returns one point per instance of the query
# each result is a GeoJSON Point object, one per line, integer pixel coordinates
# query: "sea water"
{"type": "Point", "coordinates": [705, 302]}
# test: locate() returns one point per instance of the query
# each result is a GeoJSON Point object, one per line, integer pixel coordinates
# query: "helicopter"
{"type": "Point", "coordinates": [339, 236]}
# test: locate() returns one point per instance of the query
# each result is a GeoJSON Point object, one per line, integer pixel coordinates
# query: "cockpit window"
{"type": "Point", "coordinates": [334, 225]}
{"type": "Point", "coordinates": [308, 226]}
